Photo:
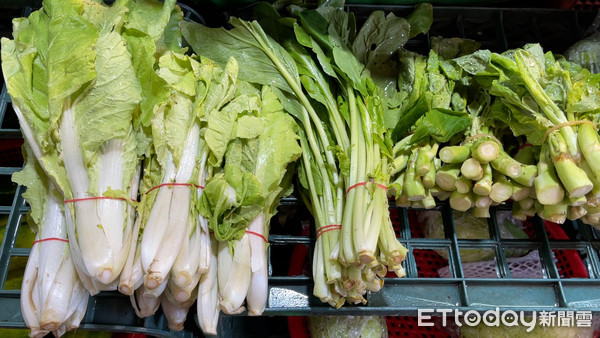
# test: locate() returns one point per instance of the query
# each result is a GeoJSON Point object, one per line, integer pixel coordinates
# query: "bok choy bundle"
{"type": "Point", "coordinates": [254, 172]}
{"type": "Point", "coordinates": [75, 93]}
{"type": "Point", "coordinates": [53, 299]}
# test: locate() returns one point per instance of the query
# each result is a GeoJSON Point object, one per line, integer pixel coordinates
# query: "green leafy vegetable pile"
{"type": "Point", "coordinates": [532, 104]}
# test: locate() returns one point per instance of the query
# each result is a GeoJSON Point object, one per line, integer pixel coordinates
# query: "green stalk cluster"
{"type": "Point", "coordinates": [473, 176]}
{"type": "Point", "coordinates": [555, 175]}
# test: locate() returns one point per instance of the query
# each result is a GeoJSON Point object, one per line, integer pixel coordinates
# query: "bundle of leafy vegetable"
{"type": "Point", "coordinates": [53, 299]}
{"type": "Point", "coordinates": [555, 104]}
{"type": "Point", "coordinates": [68, 71]}
{"type": "Point", "coordinates": [258, 147]}
{"type": "Point", "coordinates": [454, 112]}
{"type": "Point", "coordinates": [149, 30]}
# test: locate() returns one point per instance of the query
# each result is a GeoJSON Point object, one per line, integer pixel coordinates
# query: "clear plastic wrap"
{"type": "Point", "coordinates": [586, 52]}
{"type": "Point", "coordinates": [348, 326]}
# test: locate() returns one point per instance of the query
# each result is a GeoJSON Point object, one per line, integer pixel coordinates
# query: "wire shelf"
{"type": "Point", "coordinates": [292, 239]}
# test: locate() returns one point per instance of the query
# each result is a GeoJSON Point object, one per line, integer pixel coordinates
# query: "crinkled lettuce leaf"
{"type": "Point", "coordinates": [261, 147]}
{"type": "Point", "coordinates": [34, 178]}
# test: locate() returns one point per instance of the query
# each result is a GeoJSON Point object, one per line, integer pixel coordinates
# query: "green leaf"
{"type": "Point", "coordinates": [215, 203]}
{"type": "Point", "coordinates": [278, 147]}
{"type": "Point", "coordinates": [250, 126]}
{"type": "Point", "coordinates": [450, 48]}
{"type": "Point", "coordinates": [174, 118]}
{"type": "Point", "coordinates": [108, 104]}
{"type": "Point", "coordinates": [441, 125]}
{"type": "Point", "coordinates": [67, 74]}
{"type": "Point", "coordinates": [149, 16]}
{"type": "Point", "coordinates": [216, 88]}
{"type": "Point", "coordinates": [248, 189]}
{"type": "Point", "coordinates": [221, 126]}
{"type": "Point", "coordinates": [477, 63]}
{"type": "Point", "coordinates": [34, 178]}
{"type": "Point", "coordinates": [377, 42]}
{"type": "Point", "coordinates": [241, 43]}
{"type": "Point", "coordinates": [380, 37]}
{"type": "Point", "coordinates": [153, 87]}
{"type": "Point", "coordinates": [420, 19]}
{"type": "Point", "coordinates": [341, 23]}
{"type": "Point", "coordinates": [410, 117]}
{"type": "Point", "coordinates": [583, 98]}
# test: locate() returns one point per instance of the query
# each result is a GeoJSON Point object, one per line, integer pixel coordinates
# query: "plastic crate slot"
{"type": "Point", "coordinates": [16, 269]}
{"type": "Point", "coordinates": [399, 326]}
{"type": "Point", "coordinates": [569, 263]}
{"type": "Point", "coordinates": [7, 190]}
{"type": "Point", "coordinates": [528, 266]}
{"type": "Point", "coordinates": [11, 155]}
{"type": "Point", "coordinates": [517, 294]}
{"type": "Point", "coordinates": [415, 224]}
{"type": "Point", "coordinates": [285, 257]}
{"type": "Point", "coordinates": [10, 120]}
{"type": "Point", "coordinates": [25, 234]}
{"type": "Point", "coordinates": [479, 262]}
{"type": "Point", "coordinates": [429, 262]}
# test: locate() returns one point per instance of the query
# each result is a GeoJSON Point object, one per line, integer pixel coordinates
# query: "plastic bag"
{"type": "Point", "coordinates": [348, 327]}
{"type": "Point", "coordinates": [586, 52]}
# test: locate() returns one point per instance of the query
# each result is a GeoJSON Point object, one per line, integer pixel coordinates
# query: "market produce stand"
{"type": "Point", "coordinates": [497, 29]}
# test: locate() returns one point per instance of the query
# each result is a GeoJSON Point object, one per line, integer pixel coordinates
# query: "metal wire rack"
{"type": "Point", "coordinates": [496, 29]}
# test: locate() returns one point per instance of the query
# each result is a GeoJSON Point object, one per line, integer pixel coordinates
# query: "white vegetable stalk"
{"type": "Point", "coordinates": [165, 230]}
{"type": "Point", "coordinates": [175, 311]}
{"type": "Point", "coordinates": [208, 302]}
{"type": "Point", "coordinates": [51, 289]}
{"type": "Point", "coordinates": [205, 238]}
{"type": "Point", "coordinates": [185, 271]}
{"type": "Point", "coordinates": [132, 274]}
{"type": "Point", "coordinates": [258, 291]}
{"type": "Point", "coordinates": [205, 244]}
{"type": "Point", "coordinates": [30, 299]}
{"type": "Point", "coordinates": [234, 275]}
{"type": "Point", "coordinates": [320, 289]}
{"type": "Point", "coordinates": [183, 294]}
{"type": "Point", "coordinates": [72, 323]}
{"type": "Point", "coordinates": [192, 260]}
{"type": "Point", "coordinates": [101, 226]}
{"type": "Point", "coordinates": [145, 302]}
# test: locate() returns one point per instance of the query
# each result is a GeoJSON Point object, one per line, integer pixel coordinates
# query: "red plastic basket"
{"type": "Point", "coordinates": [587, 4]}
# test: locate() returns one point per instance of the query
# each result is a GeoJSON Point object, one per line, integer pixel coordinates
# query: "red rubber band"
{"type": "Point", "coordinates": [327, 228]}
{"type": "Point", "coordinates": [364, 183]}
{"type": "Point", "coordinates": [97, 198]}
{"type": "Point", "coordinates": [176, 185]}
{"type": "Point", "coordinates": [50, 239]}
{"type": "Point", "coordinates": [525, 146]}
{"type": "Point", "coordinates": [258, 235]}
